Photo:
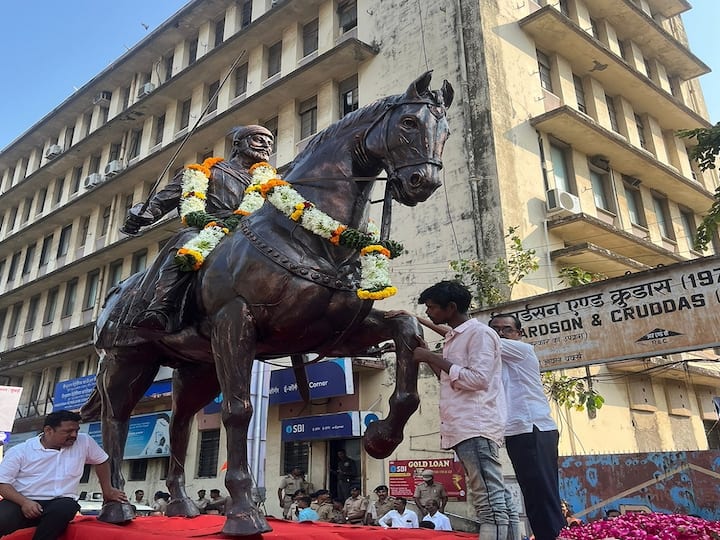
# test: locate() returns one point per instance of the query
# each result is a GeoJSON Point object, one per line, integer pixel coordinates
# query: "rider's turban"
{"type": "Point", "coordinates": [240, 132]}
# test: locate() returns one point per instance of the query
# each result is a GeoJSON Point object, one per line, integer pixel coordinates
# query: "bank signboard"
{"type": "Point", "coordinates": [656, 312]}
{"type": "Point", "coordinates": [148, 435]}
{"type": "Point", "coordinates": [326, 379]}
{"type": "Point", "coordinates": [406, 474]}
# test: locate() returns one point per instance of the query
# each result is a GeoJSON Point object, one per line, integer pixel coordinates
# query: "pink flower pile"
{"type": "Point", "coordinates": [638, 526]}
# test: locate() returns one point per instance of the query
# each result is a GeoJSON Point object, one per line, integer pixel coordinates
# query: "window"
{"type": "Point", "coordinates": [2, 219]}
{"type": "Point", "coordinates": [135, 138]}
{"type": "Point", "coordinates": [612, 113]}
{"type": "Point", "coordinates": [594, 28]}
{"type": "Point", "coordinates": [308, 117]}
{"type": "Point", "coordinates": [27, 207]}
{"type": "Point", "coordinates": [212, 97]}
{"type": "Point", "coordinates": [310, 37]}
{"type": "Point", "coordinates": [347, 14]}
{"type": "Point", "coordinates": [64, 243]}
{"type": "Point", "coordinates": [91, 289]}
{"type": "Point", "coordinates": [105, 221]}
{"type": "Point", "coordinates": [712, 432]}
{"type": "Point", "coordinates": [77, 179]}
{"type": "Point", "coordinates": [14, 263]}
{"type": "Point", "coordinates": [208, 455]}
{"type": "Point", "coordinates": [138, 470]}
{"type": "Point", "coordinates": [12, 218]}
{"type": "Point", "coordinates": [623, 49]}
{"type": "Point", "coordinates": [51, 305]}
{"type": "Point", "coordinates": [168, 65]}
{"type": "Point", "coordinates": [128, 202]}
{"type": "Point", "coordinates": [246, 14]}
{"type": "Point", "coordinates": [32, 313]}
{"type": "Point", "coordinates": [185, 113]}
{"type": "Point", "coordinates": [80, 369]}
{"type": "Point", "coordinates": [564, 8]}
{"type": "Point", "coordinates": [125, 98]}
{"type": "Point", "coordinates": [59, 185]}
{"type": "Point", "coordinates": [70, 294]}
{"type": "Point", "coordinates": [29, 259]}
{"type": "Point", "coordinates": [241, 75]}
{"type": "Point", "coordinates": [349, 97]}
{"type": "Point", "coordinates": [14, 320]}
{"type": "Point", "coordinates": [87, 121]}
{"type": "Point", "coordinates": [648, 67]}
{"type": "Point", "coordinates": [662, 216]}
{"type": "Point", "coordinates": [544, 70]}
{"type": "Point", "coordinates": [104, 113]}
{"type": "Point", "coordinates": [295, 454]}
{"type": "Point", "coordinates": [193, 50]}
{"type": "Point", "coordinates": [10, 178]}
{"type": "Point", "coordinates": [635, 205]}
{"type": "Point", "coordinates": [579, 94]}
{"type": "Point", "coordinates": [274, 59]}
{"type": "Point", "coordinates": [115, 273]}
{"type": "Point", "coordinates": [641, 131]}
{"type": "Point", "coordinates": [687, 219]}
{"type": "Point", "coordinates": [69, 134]}
{"type": "Point", "coordinates": [158, 129]}
{"type": "Point", "coordinates": [272, 127]}
{"type": "Point", "coordinates": [601, 189]}
{"type": "Point", "coordinates": [139, 261]}
{"type": "Point", "coordinates": [560, 168]}
{"type": "Point", "coordinates": [219, 31]}
{"type": "Point", "coordinates": [3, 316]}
{"type": "Point", "coordinates": [2, 267]}
{"type": "Point", "coordinates": [94, 164]}
{"type": "Point", "coordinates": [45, 251]}
{"type": "Point", "coordinates": [42, 196]}
{"type": "Point", "coordinates": [84, 226]}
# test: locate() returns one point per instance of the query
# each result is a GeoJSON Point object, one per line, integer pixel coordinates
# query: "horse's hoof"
{"type": "Point", "coordinates": [380, 440]}
{"type": "Point", "coordinates": [247, 523]}
{"type": "Point", "coordinates": [182, 507]}
{"type": "Point", "coordinates": [117, 513]}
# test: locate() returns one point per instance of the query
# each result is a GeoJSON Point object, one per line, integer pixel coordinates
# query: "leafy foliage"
{"type": "Point", "coordinates": [574, 276]}
{"type": "Point", "coordinates": [706, 153]}
{"type": "Point", "coordinates": [572, 392]}
{"type": "Point", "coordinates": [491, 282]}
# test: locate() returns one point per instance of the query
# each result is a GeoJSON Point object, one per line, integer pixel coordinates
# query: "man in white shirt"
{"type": "Point", "coordinates": [400, 517]}
{"type": "Point", "coordinates": [440, 520]}
{"type": "Point", "coordinates": [39, 478]}
{"type": "Point", "coordinates": [531, 434]}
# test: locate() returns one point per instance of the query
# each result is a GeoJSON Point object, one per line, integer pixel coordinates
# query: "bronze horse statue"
{"type": "Point", "coordinates": [273, 289]}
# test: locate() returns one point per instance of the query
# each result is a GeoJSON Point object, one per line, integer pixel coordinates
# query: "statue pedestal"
{"type": "Point", "coordinates": [210, 527]}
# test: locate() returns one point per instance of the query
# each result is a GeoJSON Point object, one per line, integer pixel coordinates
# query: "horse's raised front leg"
{"type": "Point", "coordinates": [123, 378]}
{"type": "Point", "coordinates": [194, 386]}
{"type": "Point", "coordinates": [383, 436]}
{"type": "Point", "coordinates": [233, 346]}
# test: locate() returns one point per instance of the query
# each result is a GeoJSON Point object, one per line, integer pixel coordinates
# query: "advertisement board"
{"type": "Point", "coordinates": [148, 435]}
{"type": "Point", "coordinates": [656, 312]}
{"type": "Point", "coordinates": [405, 475]}
{"type": "Point", "coordinates": [326, 379]}
{"type": "Point", "coordinates": [9, 399]}
{"type": "Point", "coordinates": [342, 425]}
{"type": "Point", "coordinates": [72, 394]}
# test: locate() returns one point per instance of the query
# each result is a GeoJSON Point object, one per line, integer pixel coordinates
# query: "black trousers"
{"type": "Point", "coordinates": [57, 513]}
{"type": "Point", "coordinates": [535, 459]}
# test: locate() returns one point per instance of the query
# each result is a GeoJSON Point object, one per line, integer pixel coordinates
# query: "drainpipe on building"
{"type": "Point", "coordinates": [546, 234]}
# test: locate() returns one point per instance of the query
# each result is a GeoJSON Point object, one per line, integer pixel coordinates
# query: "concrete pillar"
{"type": "Point", "coordinates": [654, 138]}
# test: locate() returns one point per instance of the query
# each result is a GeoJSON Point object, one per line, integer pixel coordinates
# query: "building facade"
{"type": "Point", "coordinates": [564, 125]}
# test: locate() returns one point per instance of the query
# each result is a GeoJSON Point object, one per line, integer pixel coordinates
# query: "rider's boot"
{"type": "Point", "coordinates": [161, 315]}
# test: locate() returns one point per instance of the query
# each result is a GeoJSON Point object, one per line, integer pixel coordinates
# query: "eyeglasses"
{"type": "Point", "coordinates": [505, 330]}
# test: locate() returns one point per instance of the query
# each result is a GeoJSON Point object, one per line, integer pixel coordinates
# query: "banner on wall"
{"type": "Point", "coordinates": [9, 400]}
{"type": "Point", "coordinates": [406, 474]}
{"type": "Point", "coordinates": [342, 425]}
{"type": "Point", "coordinates": [326, 379]}
{"type": "Point", "coordinates": [72, 394]}
{"type": "Point", "coordinates": [148, 435]}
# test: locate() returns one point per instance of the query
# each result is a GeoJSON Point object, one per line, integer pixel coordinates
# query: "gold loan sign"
{"type": "Point", "coordinates": [660, 311]}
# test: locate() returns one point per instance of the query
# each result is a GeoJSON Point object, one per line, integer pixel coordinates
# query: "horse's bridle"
{"type": "Point", "coordinates": [390, 164]}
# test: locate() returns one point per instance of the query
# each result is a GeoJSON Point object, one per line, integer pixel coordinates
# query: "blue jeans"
{"type": "Point", "coordinates": [481, 459]}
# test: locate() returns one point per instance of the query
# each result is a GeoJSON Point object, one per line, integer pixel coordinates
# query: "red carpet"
{"type": "Point", "coordinates": [159, 528]}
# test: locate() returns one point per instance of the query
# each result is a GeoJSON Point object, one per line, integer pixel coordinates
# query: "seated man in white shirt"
{"type": "Point", "coordinates": [39, 478]}
{"type": "Point", "coordinates": [441, 521]}
{"type": "Point", "coordinates": [400, 517]}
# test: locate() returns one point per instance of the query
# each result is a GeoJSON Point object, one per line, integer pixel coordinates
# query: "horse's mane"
{"type": "Point", "coordinates": [344, 126]}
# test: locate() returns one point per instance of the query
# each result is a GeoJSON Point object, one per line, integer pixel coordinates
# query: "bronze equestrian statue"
{"type": "Point", "coordinates": [272, 289]}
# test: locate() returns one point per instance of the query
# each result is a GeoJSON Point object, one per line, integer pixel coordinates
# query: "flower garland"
{"type": "Point", "coordinates": [266, 185]}
{"type": "Point", "coordinates": [639, 526]}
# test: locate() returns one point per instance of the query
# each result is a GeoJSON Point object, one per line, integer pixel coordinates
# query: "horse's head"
{"type": "Point", "coordinates": [409, 138]}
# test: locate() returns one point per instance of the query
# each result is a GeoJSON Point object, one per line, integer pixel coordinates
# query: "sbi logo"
{"type": "Point", "coordinates": [370, 418]}
{"type": "Point", "coordinates": [295, 428]}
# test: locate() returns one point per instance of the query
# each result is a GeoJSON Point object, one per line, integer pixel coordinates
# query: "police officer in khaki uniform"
{"type": "Point", "coordinates": [379, 508]}
{"type": "Point", "coordinates": [289, 485]}
{"type": "Point", "coordinates": [355, 506]}
{"type": "Point", "coordinates": [429, 490]}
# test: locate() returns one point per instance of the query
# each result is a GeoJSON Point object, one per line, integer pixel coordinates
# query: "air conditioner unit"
{"type": "Point", "coordinates": [145, 89]}
{"type": "Point", "coordinates": [113, 168]}
{"type": "Point", "coordinates": [102, 98]}
{"type": "Point", "coordinates": [93, 180]}
{"type": "Point", "coordinates": [562, 202]}
{"type": "Point", "coordinates": [53, 151]}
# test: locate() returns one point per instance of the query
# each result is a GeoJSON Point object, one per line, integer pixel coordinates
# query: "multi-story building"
{"type": "Point", "coordinates": [564, 125]}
